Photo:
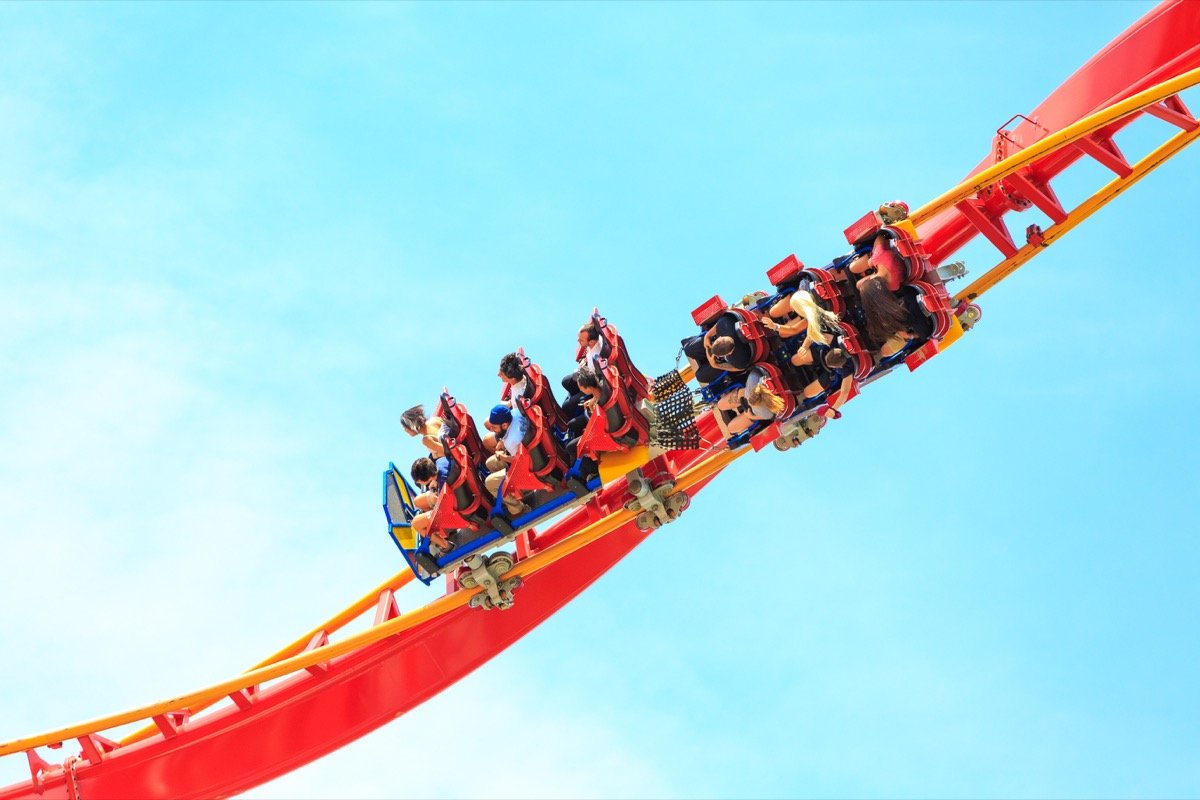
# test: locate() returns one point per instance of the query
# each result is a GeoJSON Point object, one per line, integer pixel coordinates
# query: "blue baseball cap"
{"type": "Point", "coordinates": [500, 415]}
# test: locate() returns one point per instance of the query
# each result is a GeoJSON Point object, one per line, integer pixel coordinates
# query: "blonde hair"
{"type": "Point", "coordinates": [819, 320]}
{"type": "Point", "coordinates": [760, 395]}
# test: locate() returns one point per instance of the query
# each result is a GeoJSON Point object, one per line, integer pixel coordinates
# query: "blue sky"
{"type": "Point", "coordinates": [237, 240]}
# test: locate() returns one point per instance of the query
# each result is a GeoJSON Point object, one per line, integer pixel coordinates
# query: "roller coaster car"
{"type": "Point", "coordinates": [538, 392]}
{"type": "Point", "coordinates": [775, 380]}
{"type": "Point", "coordinates": [613, 351]}
{"type": "Point", "coordinates": [465, 513]}
{"type": "Point", "coordinates": [615, 424]}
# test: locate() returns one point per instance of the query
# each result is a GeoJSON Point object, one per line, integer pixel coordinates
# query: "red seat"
{"type": "Point", "coordinates": [774, 379]}
{"type": "Point", "coordinates": [540, 462]}
{"type": "Point", "coordinates": [615, 425]}
{"type": "Point", "coordinates": [460, 427]}
{"type": "Point", "coordinates": [463, 502]}
{"type": "Point", "coordinates": [538, 392]}
{"type": "Point", "coordinates": [936, 302]}
{"type": "Point", "coordinates": [613, 351]}
{"type": "Point", "coordinates": [912, 250]}
{"type": "Point", "coordinates": [828, 292]}
{"type": "Point", "coordinates": [752, 330]}
{"type": "Point", "coordinates": [852, 344]}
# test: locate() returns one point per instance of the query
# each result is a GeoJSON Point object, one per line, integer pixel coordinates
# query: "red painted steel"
{"type": "Point", "coordinates": [1161, 45]}
{"type": "Point", "coordinates": [271, 732]}
{"type": "Point", "coordinates": [318, 711]}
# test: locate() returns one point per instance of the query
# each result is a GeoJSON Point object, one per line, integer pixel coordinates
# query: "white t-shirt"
{"type": "Point", "coordinates": [516, 431]}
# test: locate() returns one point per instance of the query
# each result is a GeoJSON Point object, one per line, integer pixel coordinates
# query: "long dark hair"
{"type": "Point", "coordinates": [886, 315]}
{"type": "Point", "coordinates": [413, 420]}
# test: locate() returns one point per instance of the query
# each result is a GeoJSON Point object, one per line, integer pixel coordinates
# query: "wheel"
{"type": "Point", "coordinates": [467, 580]}
{"type": "Point", "coordinates": [633, 505]}
{"type": "Point", "coordinates": [666, 487]}
{"type": "Point", "coordinates": [501, 563]}
{"type": "Point", "coordinates": [782, 445]}
{"type": "Point", "coordinates": [646, 521]}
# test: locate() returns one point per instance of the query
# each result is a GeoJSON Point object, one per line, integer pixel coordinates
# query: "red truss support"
{"type": "Point", "coordinates": [94, 746]}
{"type": "Point", "coordinates": [1040, 194]}
{"type": "Point", "coordinates": [1173, 110]}
{"type": "Point", "coordinates": [243, 698]}
{"type": "Point", "coordinates": [989, 225]}
{"type": "Point", "coordinates": [37, 767]}
{"type": "Point", "coordinates": [170, 722]}
{"type": "Point", "coordinates": [1105, 150]}
{"type": "Point", "coordinates": [387, 607]}
{"type": "Point", "coordinates": [319, 639]}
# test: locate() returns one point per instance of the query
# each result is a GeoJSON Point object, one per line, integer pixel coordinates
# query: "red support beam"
{"type": "Point", "coordinates": [94, 746]}
{"type": "Point", "coordinates": [242, 699]}
{"type": "Point", "coordinates": [166, 726]}
{"type": "Point", "coordinates": [1173, 110]}
{"type": "Point", "coordinates": [990, 226]}
{"type": "Point", "coordinates": [387, 607]}
{"type": "Point", "coordinates": [1040, 194]}
{"type": "Point", "coordinates": [1105, 150]}
{"type": "Point", "coordinates": [319, 639]}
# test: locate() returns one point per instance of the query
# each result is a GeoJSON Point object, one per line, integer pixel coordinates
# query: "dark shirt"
{"type": "Point", "coordinates": [443, 472]}
{"type": "Point", "coordinates": [742, 357]}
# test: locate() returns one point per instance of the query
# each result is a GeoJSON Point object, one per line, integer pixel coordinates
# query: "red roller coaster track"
{"type": "Point", "coordinates": [266, 731]}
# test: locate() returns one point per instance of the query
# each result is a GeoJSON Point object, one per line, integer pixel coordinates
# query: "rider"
{"type": "Point", "coordinates": [505, 439]}
{"type": "Point", "coordinates": [429, 476]}
{"type": "Point", "coordinates": [430, 429]}
{"type": "Point", "coordinates": [590, 340]}
{"type": "Point", "coordinates": [752, 404]}
{"type": "Point", "coordinates": [722, 349]}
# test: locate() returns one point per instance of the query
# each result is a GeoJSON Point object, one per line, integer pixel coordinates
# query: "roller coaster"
{"type": "Point", "coordinates": [647, 449]}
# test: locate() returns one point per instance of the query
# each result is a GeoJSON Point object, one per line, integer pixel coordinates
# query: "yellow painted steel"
{"type": "Point", "coordinates": [953, 335]}
{"type": "Point", "coordinates": [616, 465]}
{"type": "Point", "coordinates": [330, 626]}
{"type": "Point", "coordinates": [294, 658]}
{"type": "Point", "coordinates": [284, 666]}
{"type": "Point", "coordinates": [405, 536]}
{"type": "Point", "coordinates": [1068, 135]}
{"type": "Point", "coordinates": [1085, 209]}
{"type": "Point", "coordinates": [907, 225]}
{"type": "Point", "coordinates": [402, 487]}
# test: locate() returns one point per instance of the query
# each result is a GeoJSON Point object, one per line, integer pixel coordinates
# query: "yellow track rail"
{"type": "Point", "coordinates": [1085, 209]}
{"type": "Point", "coordinates": [1068, 135]}
{"type": "Point", "coordinates": [330, 626]}
{"type": "Point", "coordinates": [286, 666]}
